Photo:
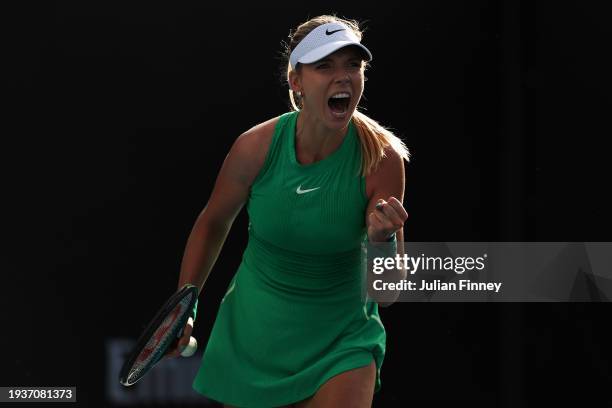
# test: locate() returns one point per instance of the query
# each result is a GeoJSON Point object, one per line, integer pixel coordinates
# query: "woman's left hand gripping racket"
{"type": "Point", "coordinates": [160, 335]}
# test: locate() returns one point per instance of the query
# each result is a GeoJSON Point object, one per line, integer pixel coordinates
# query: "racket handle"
{"type": "Point", "coordinates": [191, 348]}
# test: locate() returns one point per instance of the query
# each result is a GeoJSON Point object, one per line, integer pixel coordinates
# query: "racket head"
{"type": "Point", "coordinates": [159, 335]}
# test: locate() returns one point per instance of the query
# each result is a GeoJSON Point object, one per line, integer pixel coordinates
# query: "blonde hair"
{"type": "Point", "coordinates": [374, 137]}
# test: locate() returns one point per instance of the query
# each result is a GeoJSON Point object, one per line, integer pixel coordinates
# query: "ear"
{"type": "Point", "coordinates": [295, 81]}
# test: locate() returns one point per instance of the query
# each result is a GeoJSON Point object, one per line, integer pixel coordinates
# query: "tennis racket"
{"type": "Point", "coordinates": [160, 334]}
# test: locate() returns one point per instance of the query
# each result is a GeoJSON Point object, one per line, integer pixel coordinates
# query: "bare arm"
{"type": "Point", "coordinates": [239, 170]}
{"type": "Point", "coordinates": [386, 185]}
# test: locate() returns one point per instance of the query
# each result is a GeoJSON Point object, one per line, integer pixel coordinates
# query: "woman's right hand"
{"type": "Point", "coordinates": [179, 345]}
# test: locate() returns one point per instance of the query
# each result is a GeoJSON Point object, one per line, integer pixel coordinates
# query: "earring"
{"type": "Point", "coordinates": [299, 94]}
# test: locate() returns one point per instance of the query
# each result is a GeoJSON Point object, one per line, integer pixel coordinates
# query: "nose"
{"type": "Point", "coordinates": [343, 77]}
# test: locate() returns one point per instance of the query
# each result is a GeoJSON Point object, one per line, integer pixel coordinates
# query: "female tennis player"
{"type": "Point", "coordinates": [292, 329]}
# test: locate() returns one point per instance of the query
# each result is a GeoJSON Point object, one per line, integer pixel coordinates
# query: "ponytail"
{"type": "Point", "coordinates": [374, 138]}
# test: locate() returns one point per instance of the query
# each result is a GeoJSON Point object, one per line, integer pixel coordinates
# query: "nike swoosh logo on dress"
{"type": "Point", "coordinates": [300, 191]}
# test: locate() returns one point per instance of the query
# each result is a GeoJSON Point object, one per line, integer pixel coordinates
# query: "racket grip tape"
{"type": "Point", "coordinates": [194, 311]}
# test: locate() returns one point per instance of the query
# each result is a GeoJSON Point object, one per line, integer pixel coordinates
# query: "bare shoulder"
{"type": "Point", "coordinates": [255, 142]}
{"type": "Point", "coordinates": [250, 149]}
{"type": "Point", "coordinates": [392, 164]}
{"type": "Point", "coordinates": [390, 174]}
{"type": "Point", "coordinates": [258, 137]}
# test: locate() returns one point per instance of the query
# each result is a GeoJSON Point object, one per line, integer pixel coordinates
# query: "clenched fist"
{"type": "Point", "coordinates": [388, 218]}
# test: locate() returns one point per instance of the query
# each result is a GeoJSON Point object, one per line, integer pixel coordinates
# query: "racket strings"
{"type": "Point", "coordinates": [157, 345]}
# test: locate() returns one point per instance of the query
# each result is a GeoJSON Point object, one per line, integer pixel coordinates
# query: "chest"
{"type": "Point", "coordinates": [321, 212]}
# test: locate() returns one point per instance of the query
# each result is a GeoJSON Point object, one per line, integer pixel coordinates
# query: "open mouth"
{"type": "Point", "coordinates": [339, 103]}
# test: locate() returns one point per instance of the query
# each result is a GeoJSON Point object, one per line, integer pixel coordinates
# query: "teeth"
{"type": "Point", "coordinates": [341, 95]}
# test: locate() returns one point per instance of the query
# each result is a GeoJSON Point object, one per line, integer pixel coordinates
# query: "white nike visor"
{"type": "Point", "coordinates": [324, 40]}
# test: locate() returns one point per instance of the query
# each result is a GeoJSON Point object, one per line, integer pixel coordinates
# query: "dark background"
{"type": "Point", "coordinates": [118, 116]}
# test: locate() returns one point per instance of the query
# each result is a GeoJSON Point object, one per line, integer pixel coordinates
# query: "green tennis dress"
{"type": "Point", "coordinates": [294, 314]}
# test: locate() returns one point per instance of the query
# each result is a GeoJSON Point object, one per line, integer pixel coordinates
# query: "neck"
{"type": "Point", "coordinates": [313, 140]}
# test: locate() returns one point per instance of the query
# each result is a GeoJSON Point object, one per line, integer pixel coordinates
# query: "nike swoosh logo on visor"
{"type": "Point", "coordinates": [335, 31]}
{"type": "Point", "coordinates": [300, 191]}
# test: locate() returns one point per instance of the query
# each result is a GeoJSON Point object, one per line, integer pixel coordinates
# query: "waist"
{"type": "Point", "coordinates": [303, 272]}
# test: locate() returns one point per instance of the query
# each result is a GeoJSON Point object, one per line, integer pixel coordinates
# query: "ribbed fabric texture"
{"type": "Point", "coordinates": [293, 315]}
